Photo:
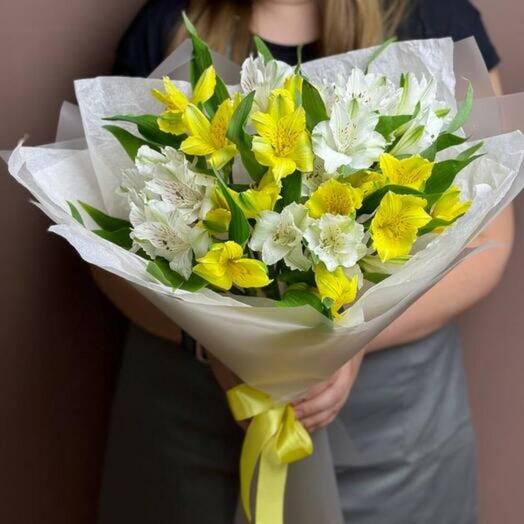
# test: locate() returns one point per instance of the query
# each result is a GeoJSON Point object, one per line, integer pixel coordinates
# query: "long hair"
{"type": "Point", "coordinates": [345, 24]}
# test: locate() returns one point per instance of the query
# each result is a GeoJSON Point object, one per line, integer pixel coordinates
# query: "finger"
{"type": "Point", "coordinates": [319, 420]}
{"type": "Point", "coordinates": [325, 401]}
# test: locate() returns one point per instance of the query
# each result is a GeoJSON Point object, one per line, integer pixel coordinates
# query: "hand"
{"type": "Point", "coordinates": [325, 400]}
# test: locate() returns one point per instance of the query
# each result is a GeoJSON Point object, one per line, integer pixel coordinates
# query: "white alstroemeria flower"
{"type": "Point", "coordinates": [374, 91]}
{"type": "Point", "coordinates": [262, 78]}
{"type": "Point", "coordinates": [336, 240]}
{"type": "Point", "coordinates": [312, 180]}
{"type": "Point", "coordinates": [168, 176]}
{"type": "Point", "coordinates": [420, 133]}
{"type": "Point", "coordinates": [279, 236]}
{"type": "Point", "coordinates": [414, 92]}
{"type": "Point", "coordinates": [162, 232]}
{"type": "Point", "coordinates": [348, 138]}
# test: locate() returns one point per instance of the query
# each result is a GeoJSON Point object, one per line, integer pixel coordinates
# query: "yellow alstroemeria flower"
{"type": "Point", "coordinates": [209, 138]}
{"type": "Point", "coordinates": [336, 286]}
{"type": "Point", "coordinates": [217, 220]}
{"type": "Point", "coordinates": [396, 223]}
{"type": "Point", "coordinates": [410, 172]}
{"type": "Point", "coordinates": [367, 181]}
{"type": "Point", "coordinates": [283, 143]}
{"type": "Point", "coordinates": [224, 266]}
{"type": "Point", "coordinates": [334, 197]}
{"type": "Point", "coordinates": [449, 207]}
{"type": "Point", "coordinates": [172, 120]}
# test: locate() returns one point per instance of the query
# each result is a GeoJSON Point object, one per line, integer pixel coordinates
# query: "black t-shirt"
{"type": "Point", "coordinates": [144, 45]}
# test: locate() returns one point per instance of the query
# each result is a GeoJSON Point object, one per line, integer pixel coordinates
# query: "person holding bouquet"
{"type": "Point", "coordinates": [173, 446]}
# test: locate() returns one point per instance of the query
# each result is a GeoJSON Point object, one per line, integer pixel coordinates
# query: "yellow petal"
{"type": "Point", "coordinates": [217, 220]}
{"type": "Point", "coordinates": [249, 273]}
{"type": "Point", "coordinates": [303, 154]}
{"type": "Point", "coordinates": [334, 197]}
{"type": "Point", "coordinates": [396, 223]}
{"type": "Point", "coordinates": [197, 123]}
{"type": "Point", "coordinates": [221, 157]}
{"type": "Point", "coordinates": [194, 145]}
{"type": "Point", "coordinates": [410, 172]}
{"type": "Point", "coordinates": [173, 98]}
{"type": "Point", "coordinates": [223, 281]}
{"type": "Point", "coordinates": [253, 201]}
{"type": "Point", "coordinates": [172, 122]}
{"type": "Point", "coordinates": [336, 286]}
{"type": "Point", "coordinates": [283, 167]}
{"type": "Point", "coordinates": [280, 104]}
{"type": "Point", "coordinates": [205, 87]}
{"type": "Point", "coordinates": [265, 126]}
{"type": "Point", "coordinates": [264, 152]}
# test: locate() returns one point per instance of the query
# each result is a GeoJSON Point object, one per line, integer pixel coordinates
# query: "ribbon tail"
{"type": "Point", "coordinates": [271, 486]}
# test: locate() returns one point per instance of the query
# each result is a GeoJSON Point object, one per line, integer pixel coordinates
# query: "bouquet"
{"type": "Point", "coordinates": [283, 221]}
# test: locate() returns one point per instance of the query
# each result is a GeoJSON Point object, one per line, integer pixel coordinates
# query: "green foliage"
{"type": "Point", "coordinates": [147, 126]}
{"type": "Point", "coordinates": [372, 201]}
{"type": "Point", "coordinates": [378, 51]}
{"type": "Point", "coordinates": [128, 141]}
{"type": "Point", "coordinates": [313, 105]}
{"type": "Point", "coordinates": [463, 113]}
{"type": "Point", "coordinates": [120, 237]}
{"type": "Point", "coordinates": [262, 49]}
{"type": "Point", "coordinates": [298, 295]}
{"type": "Point", "coordinates": [238, 226]}
{"type": "Point", "coordinates": [387, 125]}
{"type": "Point", "coordinates": [106, 222]}
{"type": "Point", "coordinates": [75, 213]}
{"type": "Point", "coordinates": [237, 134]}
{"type": "Point", "coordinates": [291, 190]}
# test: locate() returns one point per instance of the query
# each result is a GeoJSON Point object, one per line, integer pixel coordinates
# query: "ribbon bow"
{"type": "Point", "coordinates": [275, 438]}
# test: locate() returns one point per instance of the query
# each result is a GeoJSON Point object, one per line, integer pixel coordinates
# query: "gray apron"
{"type": "Point", "coordinates": [173, 448]}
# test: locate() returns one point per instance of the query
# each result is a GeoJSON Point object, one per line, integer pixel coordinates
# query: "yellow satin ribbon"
{"type": "Point", "coordinates": [275, 438]}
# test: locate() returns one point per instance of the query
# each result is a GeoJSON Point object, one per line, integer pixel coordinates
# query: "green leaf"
{"type": "Point", "coordinates": [372, 201]}
{"type": "Point", "coordinates": [194, 283]}
{"type": "Point", "coordinates": [387, 125]}
{"type": "Point", "coordinates": [444, 141]}
{"type": "Point", "coordinates": [106, 222]}
{"type": "Point", "coordinates": [378, 51]}
{"type": "Point", "coordinates": [159, 268]}
{"type": "Point", "coordinates": [120, 237]}
{"type": "Point", "coordinates": [434, 223]}
{"type": "Point", "coordinates": [299, 297]}
{"type": "Point", "coordinates": [147, 126]}
{"type": "Point", "coordinates": [291, 190]}
{"type": "Point", "coordinates": [75, 213]}
{"type": "Point", "coordinates": [376, 278]}
{"type": "Point", "coordinates": [200, 61]}
{"type": "Point", "coordinates": [128, 141]}
{"type": "Point", "coordinates": [463, 112]}
{"type": "Point", "coordinates": [443, 175]}
{"type": "Point", "coordinates": [262, 49]}
{"type": "Point", "coordinates": [313, 105]}
{"type": "Point", "coordinates": [238, 226]}
{"type": "Point", "coordinates": [290, 277]}
{"type": "Point", "coordinates": [468, 153]}
{"type": "Point", "coordinates": [243, 141]}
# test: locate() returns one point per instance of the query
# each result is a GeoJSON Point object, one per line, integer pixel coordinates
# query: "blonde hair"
{"type": "Point", "coordinates": [345, 24]}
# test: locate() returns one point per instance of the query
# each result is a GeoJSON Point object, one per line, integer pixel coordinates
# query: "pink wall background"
{"type": "Point", "coordinates": [57, 383]}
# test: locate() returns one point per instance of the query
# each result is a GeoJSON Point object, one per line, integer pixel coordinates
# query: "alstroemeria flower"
{"type": "Point", "coordinates": [279, 236]}
{"type": "Point", "coordinates": [410, 172]}
{"type": "Point", "coordinates": [263, 78]}
{"type": "Point", "coordinates": [283, 143]}
{"type": "Point", "coordinates": [374, 91]}
{"type": "Point", "coordinates": [334, 197]}
{"type": "Point", "coordinates": [313, 179]}
{"type": "Point", "coordinates": [396, 223]}
{"type": "Point", "coordinates": [336, 286]}
{"type": "Point", "coordinates": [449, 207]}
{"type": "Point", "coordinates": [161, 232]}
{"type": "Point", "coordinates": [348, 138]}
{"type": "Point", "coordinates": [336, 240]}
{"type": "Point", "coordinates": [172, 120]}
{"type": "Point", "coordinates": [172, 180]}
{"type": "Point", "coordinates": [225, 265]}
{"type": "Point", "coordinates": [209, 138]}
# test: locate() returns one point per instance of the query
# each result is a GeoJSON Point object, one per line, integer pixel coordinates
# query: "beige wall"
{"type": "Point", "coordinates": [56, 378]}
{"type": "Point", "coordinates": [56, 383]}
{"type": "Point", "coordinates": [494, 330]}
